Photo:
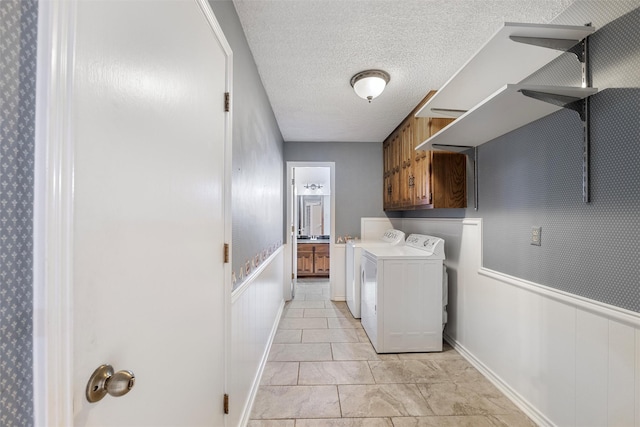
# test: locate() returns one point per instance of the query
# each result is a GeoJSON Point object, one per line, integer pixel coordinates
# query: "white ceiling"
{"type": "Point", "coordinates": [308, 50]}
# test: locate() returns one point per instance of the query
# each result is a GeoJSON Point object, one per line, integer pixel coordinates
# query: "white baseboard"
{"type": "Point", "coordinates": [529, 410]}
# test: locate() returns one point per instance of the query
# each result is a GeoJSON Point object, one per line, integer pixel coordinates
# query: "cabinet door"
{"type": "Point", "coordinates": [422, 187]}
{"type": "Point", "coordinates": [305, 264]}
{"type": "Point", "coordinates": [321, 260]}
{"type": "Point", "coordinates": [387, 172]}
{"type": "Point", "coordinates": [322, 265]}
{"type": "Point", "coordinates": [406, 163]}
{"type": "Point", "coordinates": [421, 164]}
{"type": "Point", "coordinates": [305, 260]}
{"type": "Point", "coordinates": [449, 180]}
{"type": "Point", "coordinates": [438, 174]}
{"type": "Point", "coordinates": [396, 170]}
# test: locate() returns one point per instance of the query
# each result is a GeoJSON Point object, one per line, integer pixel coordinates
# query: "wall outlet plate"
{"type": "Point", "coordinates": [536, 236]}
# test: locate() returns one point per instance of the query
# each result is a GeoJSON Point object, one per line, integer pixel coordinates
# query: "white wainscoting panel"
{"type": "Point", "coordinates": [637, 403]}
{"type": "Point", "coordinates": [289, 268]}
{"type": "Point", "coordinates": [498, 317]}
{"type": "Point", "coordinates": [256, 307]}
{"type": "Point", "coordinates": [592, 364]}
{"type": "Point", "coordinates": [338, 272]}
{"type": "Point", "coordinates": [470, 258]}
{"type": "Point", "coordinates": [557, 353]}
{"type": "Point", "coordinates": [563, 359]}
{"type": "Point", "coordinates": [622, 353]}
{"type": "Point", "coordinates": [578, 362]}
{"type": "Point", "coordinates": [373, 228]}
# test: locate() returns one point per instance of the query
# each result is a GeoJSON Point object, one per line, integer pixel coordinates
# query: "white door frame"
{"type": "Point", "coordinates": [291, 240]}
{"type": "Point", "coordinates": [53, 216]}
{"type": "Point", "coordinates": [53, 210]}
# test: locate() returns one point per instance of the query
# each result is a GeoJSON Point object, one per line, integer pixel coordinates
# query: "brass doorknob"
{"type": "Point", "coordinates": [105, 381]}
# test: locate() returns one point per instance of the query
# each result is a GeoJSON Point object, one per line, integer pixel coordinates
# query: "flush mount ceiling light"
{"type": "Point", "coordinates": [369, 84]}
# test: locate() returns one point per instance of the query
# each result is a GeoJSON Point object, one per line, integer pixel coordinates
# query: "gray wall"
{"type": "Point", "coordinates": [257, 182]}
{"type": "Point", "coordinates": [533, 177]}
{"type": "Point", "coordinates": [358, 174]}
{"type": "Point", "coordinates": [529, 177]}
{"type": "Point", "coordinates": [17, 138]}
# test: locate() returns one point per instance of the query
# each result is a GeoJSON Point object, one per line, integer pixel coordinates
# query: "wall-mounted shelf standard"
{"type": "Point", "coordinates": [504, 111]}
{"type": "Point", "coordinates": [512, 54]}
{"type": "Point", "coordinates": [485, 109]}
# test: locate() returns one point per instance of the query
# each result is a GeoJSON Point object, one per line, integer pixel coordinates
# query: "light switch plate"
{"type": "Point", "coordinates": [536, 236]}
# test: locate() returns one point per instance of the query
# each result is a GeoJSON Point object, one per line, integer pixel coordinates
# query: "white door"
{"type": "Point", "coordinates": [150, 210]}
{"type": "Point", "coordinates": [293, 202]}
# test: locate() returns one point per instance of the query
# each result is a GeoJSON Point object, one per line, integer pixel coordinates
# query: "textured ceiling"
{"type": "Point", "coordinates": [307, 51]}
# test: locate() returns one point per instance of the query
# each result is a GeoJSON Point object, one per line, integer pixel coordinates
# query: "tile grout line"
{"type": "Point", "coordinates": [339, 401]}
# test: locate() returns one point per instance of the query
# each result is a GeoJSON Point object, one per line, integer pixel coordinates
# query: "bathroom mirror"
{"type": "Point", "coordinates": [313, 215]}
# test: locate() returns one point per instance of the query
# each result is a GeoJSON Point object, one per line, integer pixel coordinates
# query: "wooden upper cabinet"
{"type": "Point", "coordinates": [421, 179]}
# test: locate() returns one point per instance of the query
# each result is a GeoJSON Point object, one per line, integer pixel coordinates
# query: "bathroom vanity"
{"type": "Point", "coordinates": [313, 257]}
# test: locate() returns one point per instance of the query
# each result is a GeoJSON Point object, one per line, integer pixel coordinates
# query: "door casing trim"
{"type": "Point", "coordinates": [290, 242]}
{"type": "Point", "coordinates": [53, 215]}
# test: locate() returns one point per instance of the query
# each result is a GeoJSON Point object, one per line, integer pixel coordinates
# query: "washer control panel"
{"type": "Point", "coordinates": [393, 236]}
{"type": "Point", "coordinates": [433, 245]}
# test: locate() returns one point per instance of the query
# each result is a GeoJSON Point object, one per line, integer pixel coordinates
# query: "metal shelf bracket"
{"type": "Point", "coordinates": [557, 44]}
{"type": "Point", "coordinates": [581, 106]}
{"type": "Point", "coordinates": [564, 101]}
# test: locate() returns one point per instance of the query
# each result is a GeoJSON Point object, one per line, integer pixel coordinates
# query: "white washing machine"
{"type": "Point", "coordinates": [404, 295]}
{"type": "Point", "coordinates": [390, 237]}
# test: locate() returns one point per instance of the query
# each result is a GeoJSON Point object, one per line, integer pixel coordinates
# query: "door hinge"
{"type": "Point", "coordinates": [227, 102]}
{"type": "Point", "coordinates": [226, 403]}
{"type": "Point", "coordinates": [293, 181]}
{"type": "Point", "coordinates": [226, 253]}
{"type": "Point", "coordinates": [430, 197]}
{"type": "Point", "coordinates": [293, 276]}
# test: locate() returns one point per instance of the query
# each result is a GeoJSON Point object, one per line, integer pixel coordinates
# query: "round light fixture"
{"type": "Point", "coordinates": [370, 83]}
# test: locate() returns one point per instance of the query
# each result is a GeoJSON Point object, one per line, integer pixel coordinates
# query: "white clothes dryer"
{"type": "Point", "coordinates": [404, 295]}
{"type": "Point", "coordinates": [390, 237]}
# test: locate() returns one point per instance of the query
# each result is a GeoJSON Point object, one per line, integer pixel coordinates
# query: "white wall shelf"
{"type": "Point", "coordinates": [500, 113]}
{"type": "Point", "coordinates": [502, 60]}
{"type": "Point", "coordinates": [485, 109]}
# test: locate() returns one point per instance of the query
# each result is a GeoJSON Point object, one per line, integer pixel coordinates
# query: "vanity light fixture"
{"type": "Point", "coordinates": [369, 84]}
{"type": "Point", "coordinates": [313, 186]}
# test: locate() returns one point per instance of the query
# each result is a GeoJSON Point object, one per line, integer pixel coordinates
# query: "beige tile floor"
{"type": "Point", "coordinates": [323, 371]}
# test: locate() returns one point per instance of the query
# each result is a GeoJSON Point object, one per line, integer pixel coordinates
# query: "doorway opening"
{"type": "Point", "coordinates": [310, 215]}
